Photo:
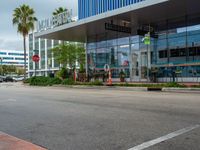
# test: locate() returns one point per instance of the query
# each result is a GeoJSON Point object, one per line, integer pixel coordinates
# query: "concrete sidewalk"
{"type": "Point", "coordinates": [8, 142]}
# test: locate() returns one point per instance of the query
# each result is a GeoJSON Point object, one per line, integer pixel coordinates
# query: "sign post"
{"type": "Point", "coordinates": [36, 59]}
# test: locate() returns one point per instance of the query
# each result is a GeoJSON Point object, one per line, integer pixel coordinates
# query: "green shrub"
{"type": "Point", "coordinates": [69, 81]}
{"type": "Point", "coordinates": [27, 80]}
{"type": "Point", "coordinates": [40, 81]}
{"type": "Point", "coordinates": [56, 80]}
{"type": "Point", "coordinates": [63, 73]}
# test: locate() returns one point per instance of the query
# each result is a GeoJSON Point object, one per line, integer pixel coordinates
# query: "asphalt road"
{"type": "Point", "coordinates": [92, 119]}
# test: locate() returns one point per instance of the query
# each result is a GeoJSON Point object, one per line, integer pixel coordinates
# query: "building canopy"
{"type": "Point", "coordinates": [144, 13]}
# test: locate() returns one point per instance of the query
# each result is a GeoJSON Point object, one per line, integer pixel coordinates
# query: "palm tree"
{"type": "Point", "coordinates": [24, 18]}
{"type": "Point", "coordinates": [59, 10]}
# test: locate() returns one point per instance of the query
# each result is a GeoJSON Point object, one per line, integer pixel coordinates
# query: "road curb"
{"type": "Point", "coordinates": [8, 142]}
{"type": "Point", "coordinates": [122, 88]}
{"type": "Point", "coordinates": [196, 90]}
{"type": "Point", "coordinates": [105, 87]}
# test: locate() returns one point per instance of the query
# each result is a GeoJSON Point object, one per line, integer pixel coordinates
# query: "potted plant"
{"type": "Point", "coordinates": [122, 76]}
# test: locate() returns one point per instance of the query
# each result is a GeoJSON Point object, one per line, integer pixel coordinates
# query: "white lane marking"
{"type": "Point", "coordinates": [164, 138]}
{"type": "Point", "coordinates": [12, 100]}
{"type": "Point", "coordinates": [8, 100]}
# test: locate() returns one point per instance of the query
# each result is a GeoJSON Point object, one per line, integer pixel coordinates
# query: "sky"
{"type": "Point", "coordinates": [9, 38]}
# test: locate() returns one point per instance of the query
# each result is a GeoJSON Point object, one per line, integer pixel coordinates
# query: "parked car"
{"type": "Point", "coordinates": [1, 79]}
{"type": "Point", "coordinates": [9, 79]}
{"type": "Point", "coordinates": [18, 79]}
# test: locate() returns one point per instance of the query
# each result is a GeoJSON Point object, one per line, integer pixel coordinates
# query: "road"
{"type": "Point", "coordinates": [97, 119]}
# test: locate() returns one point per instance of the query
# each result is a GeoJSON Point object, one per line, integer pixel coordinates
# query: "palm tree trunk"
{"type": "Point", "coordinates": [24, 57]}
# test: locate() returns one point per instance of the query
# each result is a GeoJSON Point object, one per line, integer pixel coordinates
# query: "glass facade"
{"type": "Point", "coordinates": [42, 47]}
{"type": "Point", "coordinates": [174, 51]}
{"type": "Point", "coordinates": [30, 51]}
{"type": "Point", "coordinates": [87, 8]}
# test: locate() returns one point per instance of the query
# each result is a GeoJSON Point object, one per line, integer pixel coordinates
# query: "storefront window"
{"type": "Point", "coordinates": [123, 55]}
{"type": "Point", "coordinates": [135, 56]}
{"type": "Point", "coordinates": [102, 57]}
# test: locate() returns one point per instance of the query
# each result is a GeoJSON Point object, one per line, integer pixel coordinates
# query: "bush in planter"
{"type": "Point", "coordinates": [122, 76]}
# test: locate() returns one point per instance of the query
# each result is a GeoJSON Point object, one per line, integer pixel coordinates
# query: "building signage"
{"type": "Point", "coordinates": [61, 19]}
{"type": "Point", "coordinates": [54, 21]}
{"type": "Point", "coordinates": [44, 25]}
{"type": "Point", "coordinates": [113, 27]}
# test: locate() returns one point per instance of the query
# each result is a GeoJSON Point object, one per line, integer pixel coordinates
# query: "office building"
{"type": "Point", "coordinates": [42, 47]}
{"type": "Point", "coordinates": [114, 33]}
{"type": "Point", "coordinates": [12, 57]}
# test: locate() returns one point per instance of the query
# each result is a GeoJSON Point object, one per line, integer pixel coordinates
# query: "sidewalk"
{"type": "Point", "coordinates": [8, 142]}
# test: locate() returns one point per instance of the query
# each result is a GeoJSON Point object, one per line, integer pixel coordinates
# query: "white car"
{"type": "Point", "coordinates": [18, 78]}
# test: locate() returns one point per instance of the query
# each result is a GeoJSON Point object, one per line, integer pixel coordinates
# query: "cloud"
{"type": "Point", "coordinates": [9, 38]}
{"type": "Point", "coordinates": [11, 44]}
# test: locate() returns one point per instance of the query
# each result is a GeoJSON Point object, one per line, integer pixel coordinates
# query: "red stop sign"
{"type": "Point", "coordinates": [36, 58]}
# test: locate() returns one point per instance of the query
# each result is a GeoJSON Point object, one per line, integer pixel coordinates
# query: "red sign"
{"type": "Point", "coordinates": [36, 58]}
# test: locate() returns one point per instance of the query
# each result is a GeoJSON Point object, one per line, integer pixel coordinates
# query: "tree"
{"type": "Point", "coordinates": [69, 55]}
{"type": "Point", "coordinates": [19, 71]}
{"type": "Point", "coordinates": [59, 10]}
{"type": "Point", "coordinates": [24, 18]}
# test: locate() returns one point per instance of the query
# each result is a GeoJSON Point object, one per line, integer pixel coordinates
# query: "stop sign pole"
{"type": "Point", "coordinates": [35, 59]}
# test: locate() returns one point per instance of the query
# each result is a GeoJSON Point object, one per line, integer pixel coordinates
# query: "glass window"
{"type": "Point", "coordinates": [91, 45]}
{"type": "Point", "coordinates": [122, 41]}
{"type": "Point", "coordinates": [102, 57]}
{"type": "Point", "coordinates": [112, 42]}
{"type": "Point", "coordinates": [123, 55]}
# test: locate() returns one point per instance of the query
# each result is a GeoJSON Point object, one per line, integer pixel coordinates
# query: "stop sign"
{"type": "Point", "coordinates": [36, 58]}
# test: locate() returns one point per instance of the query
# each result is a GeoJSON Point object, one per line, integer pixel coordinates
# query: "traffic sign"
{"type": "Point", "coordinates": [106, 67]}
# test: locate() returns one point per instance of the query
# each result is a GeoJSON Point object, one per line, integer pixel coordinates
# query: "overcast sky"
{"type": "Point", "coordinates": [9, 38]}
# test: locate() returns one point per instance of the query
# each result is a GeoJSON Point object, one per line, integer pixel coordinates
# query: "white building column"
{"type": "Point", "coordinates": [46, 59]}
{"type": "Point", "coordinates": [86, 58]}
{"type": "Point", "coordinates": [39, 67]}
{"type": "Point", "coordinates": [130, 61]}
{"type": "Point", "coordinates": [52, 60]}
{"type": "Point", "coordinates": [34, 66]}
